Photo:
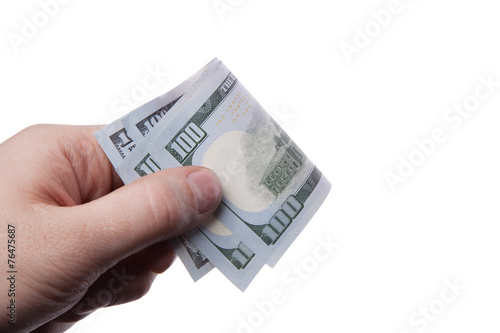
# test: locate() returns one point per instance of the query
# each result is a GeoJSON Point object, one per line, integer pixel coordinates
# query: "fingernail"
{"type": "Point", "coordinates": [207, 189]}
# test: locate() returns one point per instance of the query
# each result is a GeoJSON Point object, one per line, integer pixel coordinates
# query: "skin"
{"type": "Point", "coordinates": [78, 227]}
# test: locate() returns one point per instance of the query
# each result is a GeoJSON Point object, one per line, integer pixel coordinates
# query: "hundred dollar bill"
{"type": "Point", "coordinates": [120, 137]}
{"type": "Point", "coordinates": [238, 257]}
{"type": "Point", "coordinates": [224, 250]}
{"type": "Point", "coordinates": [123, 135]}
{"type": "Point", "coordinates": [270, 188]}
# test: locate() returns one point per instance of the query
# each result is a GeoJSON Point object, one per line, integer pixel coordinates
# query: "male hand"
{"type": "Point", "coordinates": [79, 232]}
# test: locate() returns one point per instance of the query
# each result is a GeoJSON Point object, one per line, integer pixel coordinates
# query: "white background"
{"type": "Point", "coordinates": [397, 248]}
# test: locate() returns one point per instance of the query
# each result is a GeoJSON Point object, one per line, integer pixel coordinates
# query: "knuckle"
{"type": "Point", "coordinates": [164, 206]}
{"type": "Point", "coordinates": [171, 202]}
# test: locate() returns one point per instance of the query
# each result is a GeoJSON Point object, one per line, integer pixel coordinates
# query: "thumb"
{"type": "Point", "coordinates": [149, 210]}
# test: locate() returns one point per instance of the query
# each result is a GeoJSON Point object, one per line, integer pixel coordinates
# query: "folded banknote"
{"type": "Point", "coordinates": [271, 190]}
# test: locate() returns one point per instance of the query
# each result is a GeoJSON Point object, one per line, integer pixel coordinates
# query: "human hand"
{"type": "Point", "coordinates": [79, 232]}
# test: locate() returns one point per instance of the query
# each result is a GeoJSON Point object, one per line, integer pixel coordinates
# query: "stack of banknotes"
{"type": "Point", "coordinates": [270, 188]}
